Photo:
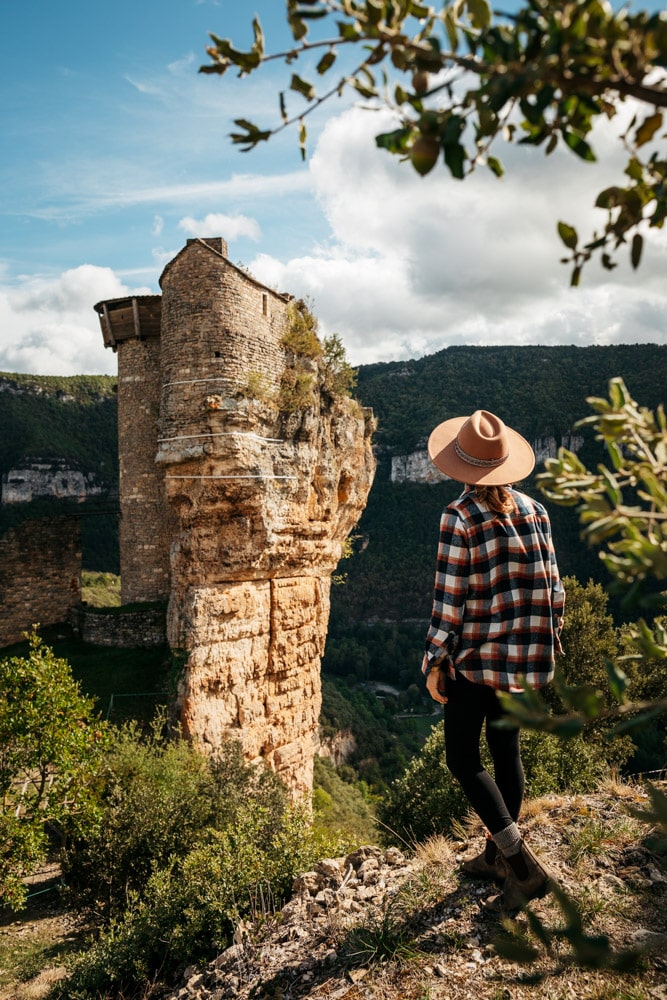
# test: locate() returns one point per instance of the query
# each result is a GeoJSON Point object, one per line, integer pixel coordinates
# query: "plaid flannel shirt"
{"type": "Point", "coordinates": [498, 602]}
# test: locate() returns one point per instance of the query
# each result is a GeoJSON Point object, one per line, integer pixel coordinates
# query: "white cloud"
{"type": "Point", "coordinates": [415, 264]}
{"type": "Point", "coordinates": [48, 325]}
{"type": "Point", "coordinates": [158, 225]}
{"type": "Point", "coordinates": [216, 223]}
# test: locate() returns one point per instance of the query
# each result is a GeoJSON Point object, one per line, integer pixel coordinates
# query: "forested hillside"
{"type": "Point", "coordinates": [71, 421]}
{"type": "Point", "coordinates": [539, 390]}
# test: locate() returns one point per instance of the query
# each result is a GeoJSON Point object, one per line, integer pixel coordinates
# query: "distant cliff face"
{"type": "Point", "coordinates": [48, 478]}
{"type": "Point", "coordinates": [418, 468]}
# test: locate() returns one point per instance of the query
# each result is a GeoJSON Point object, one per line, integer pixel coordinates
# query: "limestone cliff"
{"type": "Point", "coordinates": [262, 518]}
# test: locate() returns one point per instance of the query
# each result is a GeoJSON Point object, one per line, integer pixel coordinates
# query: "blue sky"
{"type": "Point", "coordinates": [115, 151]}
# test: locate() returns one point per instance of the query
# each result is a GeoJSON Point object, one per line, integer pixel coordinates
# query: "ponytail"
{"type": "Point", "coordinates": [498, 498]}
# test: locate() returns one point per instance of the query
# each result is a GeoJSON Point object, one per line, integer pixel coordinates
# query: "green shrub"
{"type": "Point", "coordinates": [558, 766]}
{"type": "Point", "coordinates": [426, 799]}
{"type": "Point", "coordinates": [341, 807]}
{"type": "Point", "coordinates": [337, 376]}
{"type": "Point", "coordinates": [296, 391]}
{"type": "Point", "coordinates": [51, 742]}
{"type": "Point", "coordinates": [159, 798]}
{"type": "Point", "coordinates": [221, 837]}
{"type": "Point", "coordinates": [301, 335]}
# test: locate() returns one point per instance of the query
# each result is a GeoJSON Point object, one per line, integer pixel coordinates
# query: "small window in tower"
{"type": "Point", "coordinates": [217, 354]}
{"type": "Point", "coordinates": [265, 305]}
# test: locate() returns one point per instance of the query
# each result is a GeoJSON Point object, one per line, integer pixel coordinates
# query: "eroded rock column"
{"type": "Point", "coordinates": [263, 502]}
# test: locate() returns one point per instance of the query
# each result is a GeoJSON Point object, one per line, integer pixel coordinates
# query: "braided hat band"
{"type": "Point", "coordinates": [480, 449]}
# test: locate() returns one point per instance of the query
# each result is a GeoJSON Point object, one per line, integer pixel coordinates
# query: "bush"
{"type": "Point", "coordinates": [160, 796]}
{"type": "Point", "coordinates": [185, 848]}
{"type": "Point", "coordinates": [426, 799]}
{"type": "Point", "coordinates": [301, 335]}
{"type": "Point", "coordinates": [51, 742]}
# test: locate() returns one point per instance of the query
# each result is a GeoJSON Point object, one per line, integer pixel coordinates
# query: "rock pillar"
{"type": "Point", "coordinates": [262, 500]}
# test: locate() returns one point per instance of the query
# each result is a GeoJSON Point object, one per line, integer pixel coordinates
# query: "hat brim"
{"type": "Point", "coordinates": [519, 463]}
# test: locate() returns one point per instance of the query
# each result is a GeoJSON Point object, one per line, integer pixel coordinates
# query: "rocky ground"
{"type": "Point", "coordinates": [394, 926]}
{"type": "Point", "coordinates": [379, 924]}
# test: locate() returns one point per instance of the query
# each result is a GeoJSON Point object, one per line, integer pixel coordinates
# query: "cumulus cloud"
{"type": "Point", "coordinates": [415, 264]}
{"type": "Point", "coordinates": [217, 223]}
{"type": "Point", "coordinates": [48, 325]}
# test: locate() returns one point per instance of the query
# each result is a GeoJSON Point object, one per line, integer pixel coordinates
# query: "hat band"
{"type": "Point", "coordinates": [486, 463]}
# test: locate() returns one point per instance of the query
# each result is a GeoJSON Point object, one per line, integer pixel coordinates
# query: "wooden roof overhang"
{"type": "Point", "coordinates": [133, 318]}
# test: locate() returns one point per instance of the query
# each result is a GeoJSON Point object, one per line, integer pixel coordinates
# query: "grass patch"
{"type": "Point", "coordinates": [100, 590]}
{"type": "Point", "coordinates": [380, 938]}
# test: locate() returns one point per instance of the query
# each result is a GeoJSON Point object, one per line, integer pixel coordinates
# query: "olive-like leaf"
{"type": "Point", "coordinates": [568, 235]}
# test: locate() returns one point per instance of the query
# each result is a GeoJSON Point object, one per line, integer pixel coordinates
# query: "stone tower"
{"type": "Point", "coordinates": [261, 500]}
{"type": "Point", "coordinates": [131, 326]}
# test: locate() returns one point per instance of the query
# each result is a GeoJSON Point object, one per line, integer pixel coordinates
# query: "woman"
{"type": "Point", "coordinates": [496, 622]}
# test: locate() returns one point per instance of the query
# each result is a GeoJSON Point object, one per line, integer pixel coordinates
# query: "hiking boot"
{"type": "Point", "coordinates": [519, 891]}
{"type": "Point", "coordinates": [479, 867]}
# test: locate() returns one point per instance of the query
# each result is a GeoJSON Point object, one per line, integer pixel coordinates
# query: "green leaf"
{"type": "Point", "coordinates": [618, 680]}
{"type": "Point", "coordinates": [349, 32]}
{"type": "Point", "coordinates": [451, 29]}
{"type": "Point", "coordinates": [495, 166]}
{"type": "Point", "coordinates": [302, 87]}
{"type": "Point", "coordinates": [480, 13]}
{"type": "Point", "coordinates": [297, 27]}
{"type": "Point", "coordinates": [455, 157]}
{"type": "Point", "coordinates": [326, 62]}
{"type": "Point", "coordinates": [579, 146]}
{"type": "Point", "coordinates": [395, 142]}
{"type": "Point", "coordinates": [568, 235]}
{"type": "Point", "coordinates": [648, 128]}
{"type": "Point", "coordinates": [634, 170]}
{"type": "Point", "coordinates": [566, 726]}
{"type": "Point", "coordinates": [420, 10]}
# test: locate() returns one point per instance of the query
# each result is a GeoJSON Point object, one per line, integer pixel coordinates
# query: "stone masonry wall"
{"type": "Point", "coordinates": [125, 628]}
{"type": "Point", "coordinates": [219, 328]}
{"type": "Point", "coordinates": [40, 574]}
{"type": "Point", "coordinates": [146, 524]}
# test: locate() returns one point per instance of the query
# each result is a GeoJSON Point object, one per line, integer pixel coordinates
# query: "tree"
{"type": "Point", "coordinates": [458, 78]}
{"type": "Point", "coordinates": [51, 742]}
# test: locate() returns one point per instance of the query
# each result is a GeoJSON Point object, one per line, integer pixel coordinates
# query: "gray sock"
{"type": "Point", "coordinates": [508, 840]}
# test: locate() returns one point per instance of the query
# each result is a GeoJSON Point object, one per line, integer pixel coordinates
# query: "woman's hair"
{"type": "Point", "coordinates": [498, 498]}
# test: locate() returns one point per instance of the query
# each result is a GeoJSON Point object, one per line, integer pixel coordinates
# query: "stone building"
{"type": "Point", "coordinates": [40, 574]}
{"type": "Point", "coordinates": [233, 504]}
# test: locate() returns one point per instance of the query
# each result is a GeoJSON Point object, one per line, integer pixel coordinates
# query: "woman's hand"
{"type": "Point", "coordinates": [435, 685]}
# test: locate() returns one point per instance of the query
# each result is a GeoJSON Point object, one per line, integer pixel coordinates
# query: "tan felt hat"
{"type": "Point", "coordinates": [480, 449]}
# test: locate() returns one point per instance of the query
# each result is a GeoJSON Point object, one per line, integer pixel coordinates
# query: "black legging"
{"type": "Point", "coordinates": [497, 803]}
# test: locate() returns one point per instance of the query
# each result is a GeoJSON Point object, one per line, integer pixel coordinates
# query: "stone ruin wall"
{"type": "Point", "coordinates": [261, 503]}
{"type": "Point", "coordinates": [146, 526]}
{"type": "Point", "coordinates": [34, 588]}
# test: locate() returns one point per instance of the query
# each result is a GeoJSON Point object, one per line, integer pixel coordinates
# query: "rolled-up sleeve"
{"type": "Point", "coordinates": [451, 587]}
